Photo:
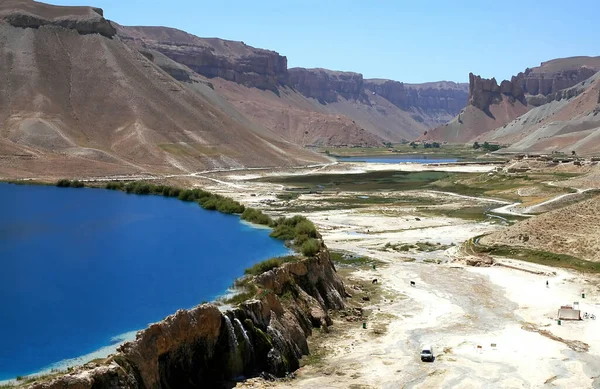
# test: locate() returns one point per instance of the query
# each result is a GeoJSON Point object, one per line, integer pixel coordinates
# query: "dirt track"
{"type": "Point", "coordinates": [509, 313]}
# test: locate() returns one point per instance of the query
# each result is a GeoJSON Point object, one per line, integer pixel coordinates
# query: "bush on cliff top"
{"type": "Point", "coordinates": [290, 228]}
{"type": "Point", "coordinates": [311, 247]}
{"type": "Point", "coordinates": [269, 264]}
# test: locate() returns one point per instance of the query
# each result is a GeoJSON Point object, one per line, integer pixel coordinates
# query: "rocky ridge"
{"type": "Point", "coordinates": [78, 101]}
{"type": "Point", "coordinates": [203, 347]}
{"type": "Point", "coordinates": [212, 57]}
{"type": "Point", "coordinates": [411, 109]}
{"type": "Point", "coordinates": [446, 96]}
{"type": "Point", "coordinates": [492, 106]}
{"type": "Point", "coordinates": [326, 85]}
{"type": "Point", "coordinates": [30, 14]}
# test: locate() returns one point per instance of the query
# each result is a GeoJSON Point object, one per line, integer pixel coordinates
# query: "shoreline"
{"type": "Point", "coordinates": [116, 341]}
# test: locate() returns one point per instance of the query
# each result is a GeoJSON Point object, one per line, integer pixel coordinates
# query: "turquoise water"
{"type": "Point", "coordinates": [398, 159]}
{"type": "Point", "coordinates": [82, 266]}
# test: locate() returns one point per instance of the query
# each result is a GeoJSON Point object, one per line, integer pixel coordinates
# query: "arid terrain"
{"type": "Point", "coordinates": [483, 322]}
{"type": "Point", "coordinates": [549, 108]}
{"type": "Point", "coordinates": [473, 257]}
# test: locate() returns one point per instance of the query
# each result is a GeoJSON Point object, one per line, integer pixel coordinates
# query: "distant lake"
{"type": "Point", "coordinates": [398, 159]}
{"type": "Point", "coordinates": [80, 267]}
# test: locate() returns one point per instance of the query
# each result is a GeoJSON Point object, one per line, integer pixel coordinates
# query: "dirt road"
{"type": "Point", "coordinates": [492, 327]}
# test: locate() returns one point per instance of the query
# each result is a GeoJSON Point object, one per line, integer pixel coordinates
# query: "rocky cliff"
{"type": "Point", "coordinates": [76, 100]}
{"type": "Point", "coordinates": [326, 85]}
{"type": "Point", "coordinates": [212, 57]}
{"type": "Point", "coordinates": [30, 14]}
{"type": "Point", "coordinates": [492, 106]}
{"type": "Point", "coordinates": [485, 92]}
{"type": "Point", "coordinates": [203, 347]}
{"type": "Point", "coordinates": [371, 111]}
{"type": "Point", "coordinates": [553, 76]}
{"type": "Point", "coordinates": [446, 96]}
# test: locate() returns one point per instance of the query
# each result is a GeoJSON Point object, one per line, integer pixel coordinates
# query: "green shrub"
{"type": "Point", "coordinates": [186, 195]}
{"type": "Point", "coordinates": [306, 227]}
{"type": "Point", "coordinates": [229, 206]}
{"type": "Point", "coordinates": [311, 247]}
{"type": "Point", "coordinates": [208, 203]}
{"type": "Point", "coordinates": [255, 216]}
{"type": "Point", "coordinates": [114, 186]}
{"type": "Point", "coordinates": [283, 232]}
{"type": "Point", "coordinates": [64, 183]}
{"type": "Point", "coordinates": [269, 264]}
{"type": "Point", "coordinates": [300, 239]}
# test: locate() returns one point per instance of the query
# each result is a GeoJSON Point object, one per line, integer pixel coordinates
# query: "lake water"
{"type": "Point", "coordinates": [80, 267]}
{"type": "Point", "coordinates": [398, 159]}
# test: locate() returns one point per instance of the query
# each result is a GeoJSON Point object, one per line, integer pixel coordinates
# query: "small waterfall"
{"type": "Point", "coordinates": [233, 343]}
{"type": "Point", "coordinates": [238, 323]}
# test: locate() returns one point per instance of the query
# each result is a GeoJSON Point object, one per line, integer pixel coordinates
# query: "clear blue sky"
{"type": "Point", "coordinates": [410, 41]}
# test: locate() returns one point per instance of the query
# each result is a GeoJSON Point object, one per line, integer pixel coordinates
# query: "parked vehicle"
{"type": "Point", "coordinates": [427, 354]}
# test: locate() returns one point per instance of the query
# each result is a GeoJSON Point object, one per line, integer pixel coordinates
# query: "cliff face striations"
{"type": "Point", "coordinates": [30, 14]}
{"type": "Point", "coordinates": [326, 85]}
{"type": "Point", "coordinates": [317, 107]}
{"type": "Point", "coordinates": [203, 347]}
{"type": "Point", "coordinates": [76, 100]}
{"type": "Point", "coordinates": [492, 106]}
{"type": "Point", "coordinates": [444, 96]}
{"type": "Point", "coordinates": [212, 57]}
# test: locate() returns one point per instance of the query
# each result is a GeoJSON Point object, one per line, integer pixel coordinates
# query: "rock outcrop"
{"type": "Point", "coordinates": [212, 57]}
{"type": "Point", "coordinates": [535, 86]}
{"type": "Point", "coordinates": [436, 96]}
{"type": "Point", "coordinates": [30, 14]}
{"type": "Point", "coordinates": [538, 83]}
{"type": "Point", "coordinates": [326, 85]}
{"type": "Point", "coordinates": [203, 347]}
{"type": "Point", "coordinates": [484, 92]}
{"type": "Point", "coordinates": [494, 107]}
{"type": "Point", "coordinates": [411, 110]}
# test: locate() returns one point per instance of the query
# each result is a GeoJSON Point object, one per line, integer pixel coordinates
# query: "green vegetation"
{"type": "Point", "coordinates": [257, 217]}
{"type": "Point", "coordinates": [63, 183]}
{"type": "Point", "coordinates": [370, 181]}
{"type": "Point", "coordinates": [487, 146]}
{"type": "Point", "coordinates": [290, 228]}
{"type": "Point", "coordinates": [288, 196]}
{"type": "Point", "coordinates": [269, 264]}
{"type": "Point", "coordinates": [419, 246]}
{"type": "Point", "coordinates": [408, 148]}
{"type": "Point", "coordinates": [535, 256]}
{"type": "Point", "coordinates": [350, 260]}
{"type": "Point", "coordinates": [207, 200]}
{"type": "Point", "coordinates": [310, 247]}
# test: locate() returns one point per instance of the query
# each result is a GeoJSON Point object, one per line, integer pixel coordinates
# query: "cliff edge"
{"type": "Point", "coordinates": [203, 347]}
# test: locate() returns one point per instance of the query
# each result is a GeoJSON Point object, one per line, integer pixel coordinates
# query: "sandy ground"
{"type": "Point", "coordinates": [492, 327]}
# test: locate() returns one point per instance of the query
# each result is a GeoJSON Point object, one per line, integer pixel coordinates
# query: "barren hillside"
{"type": "Point", "coordinates": [76, 95]}
{"type": "Point", "coordinates": [573, 230]}
{"type": "Point", "coordinates": [568, 123]}
{"type": "Point", "coordinates": [343, 104]}
{"type": "Point", "coordinates": [545, 90]}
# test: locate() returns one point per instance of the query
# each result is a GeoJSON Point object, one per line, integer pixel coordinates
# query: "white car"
{"type": "Point", "coordinates": [427, 354]}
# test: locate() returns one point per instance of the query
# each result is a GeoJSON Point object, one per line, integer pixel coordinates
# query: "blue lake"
{"type": "Point", "coordinates": [82, 266]}
{"type": "Point", "coordinates": [398, 159]}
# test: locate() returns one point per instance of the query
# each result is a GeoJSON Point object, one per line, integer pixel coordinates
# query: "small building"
{"type": "Point", "coordinates": [566, 312]}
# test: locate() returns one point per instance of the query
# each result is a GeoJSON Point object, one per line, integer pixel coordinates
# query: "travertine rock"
{"type": "Point", "coordinates": [203, 347]}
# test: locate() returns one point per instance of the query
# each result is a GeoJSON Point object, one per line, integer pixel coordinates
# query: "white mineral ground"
{"type": "Point", "coordinates": [491, 327]}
